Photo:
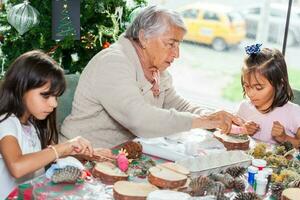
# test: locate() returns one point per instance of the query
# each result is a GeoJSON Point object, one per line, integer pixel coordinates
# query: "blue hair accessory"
{"type": "Point", "coordinates": [253, 49]}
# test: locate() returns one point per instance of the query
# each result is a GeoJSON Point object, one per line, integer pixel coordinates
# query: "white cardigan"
{"type": "Point", "coordinates": [114, 102]}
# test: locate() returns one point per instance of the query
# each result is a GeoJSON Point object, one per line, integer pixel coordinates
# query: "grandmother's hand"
{"type": "Point", "coordinates": [221, 119]}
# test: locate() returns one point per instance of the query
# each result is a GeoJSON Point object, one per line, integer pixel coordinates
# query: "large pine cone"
{"type": "Point", "coordinates": [239, 184]}
{"type": "Point", "coordinates": [246, 196]}
{"type": "Point", "coordinates": [134, 149]}
{"type": "Point", "coordinates": [226, 179]}
{"type": "Point", "coordinates": [294, 184]}
{"type": "Point", "coordinates": [68, 174]}
{"type": "Point", "coordinates": [236, 171]}
{"type": "Point", "coordinates": [200, 185]}
{"type": "Point", "coordinates": [277, 189]}
{"type": "Point", "coordinates": [217, 190]}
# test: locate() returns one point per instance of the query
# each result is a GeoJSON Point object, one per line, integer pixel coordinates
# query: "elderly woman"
{"type": "Point", "coordinates": [126, 91]}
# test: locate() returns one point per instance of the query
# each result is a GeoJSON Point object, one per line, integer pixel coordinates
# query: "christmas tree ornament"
{"type": "Point", "coordinates": [109, 31]}
{"type": "Point", "coordinates": [89, 40]}
{"type": "Point", "coordinates": [23, 17]}
{"type": "Point", "coordinates": [105, 45]}
{"type": "Point", "coordinates": [74, 57]}
{"type": "Point", "coordinates": [68, 174]}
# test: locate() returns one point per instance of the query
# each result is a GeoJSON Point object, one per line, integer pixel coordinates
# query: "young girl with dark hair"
{"type": "Point", "coordinates": [28, 133]}
{"type": "Point", "coordinates": [268, 111]}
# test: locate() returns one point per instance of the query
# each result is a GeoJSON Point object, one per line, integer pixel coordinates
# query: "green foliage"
{"type": "Point", "coordinates": [234, 92]}
{"type": "Point", "coordinates": [39, 37]}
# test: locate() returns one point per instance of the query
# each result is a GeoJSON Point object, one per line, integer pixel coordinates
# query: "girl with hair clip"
{"type": "Point", "coordinates": [268, 111]}
{"type": "Point", "coordinates": [28, 133]}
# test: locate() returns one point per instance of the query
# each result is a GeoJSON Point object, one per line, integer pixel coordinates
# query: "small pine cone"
{"type": "Point", "coordinates": [199, 185]}
{"type": "Point", "coordinates": [294, 184]}
{"type": "Point", "coordinates": [235, 171]}
{"type": "Point", "coordinates": [239, 184]}
{"type": "Point", "coordinates": [277, 189]}
{"type": "Point", "coordinates": [226, 179]}
{"type": "Point", "coordinates": [288, 145]}
{"type": "Point", "coordinates": [68, 174]}
{"type": "Point", "coordinates": [217, 189]}
{"type": "Point", "coordinates": [134, 149]}
{"type": "Point", "coordinates": [246, 196]}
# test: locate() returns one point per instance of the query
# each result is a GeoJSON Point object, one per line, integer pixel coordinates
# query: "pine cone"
{"type": "Point", "coordinates": [288, 145]}
{"type": "Point", "coordinates": [246, 196]}
{"type": "Point", "coordinates": [217, 190]}
{"type": "Point", "coordinates": [134, 149]}
{"type": "Point", "coordinates": [68, 174]}
{"type": "Point", "coordinates": [199, 185]}
{"type": "Point", "coordinates": [235, 171]}
{"type": "Point", "coordinates": [226, 179]}
{"type": "Point", "coordinates": [277, 189]}
{"type": "Point", "coordinates": [294, 184]}
{"type": "Point", "coordinates": [239, 184]}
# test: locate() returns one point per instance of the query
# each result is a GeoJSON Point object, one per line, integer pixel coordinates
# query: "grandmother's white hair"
{"type": "Point", "coordinates": [154, 21]}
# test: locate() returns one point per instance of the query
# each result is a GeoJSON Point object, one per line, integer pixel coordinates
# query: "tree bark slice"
{"type": "Point", "coordinates": [106, 172]}
{"type": "Point", "coordinates": [232, 143]}
{"type": "Point", "coordinates": [291, 194]}
{"type": "Point", "coordinates": [125, 190]}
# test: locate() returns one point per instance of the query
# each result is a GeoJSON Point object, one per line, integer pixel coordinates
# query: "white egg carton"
{"type": "Point", "coordinates": [216, 162]}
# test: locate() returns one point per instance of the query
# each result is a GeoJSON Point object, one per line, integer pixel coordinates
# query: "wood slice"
{"type": "Point", "coordinates": [125, 190]}
{"type": "Point", "coordinates": [232, 143]}
{"type": "Point", "coordinates": [108, 173]}
{"type": "Point", "coordinates": [165, 178]}
{"type": "Point", "coordinates": [176, 168]}
{"type": "Point", "coordinates": [291, 194]}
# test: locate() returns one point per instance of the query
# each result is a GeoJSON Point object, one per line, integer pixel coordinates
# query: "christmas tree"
{"type": "Point", "coordinates": [65, 27]}
{"type": "Point", "coordinates": [97, 18]}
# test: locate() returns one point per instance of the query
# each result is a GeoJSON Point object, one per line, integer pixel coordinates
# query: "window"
{"type": "Point", "coordinates": [210, 16]}
{"type": "Point", "coordinates": [190, 13]}
{"type": "Point", "coordinates": [208, 70]}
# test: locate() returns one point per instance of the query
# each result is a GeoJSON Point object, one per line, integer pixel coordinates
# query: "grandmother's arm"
{"type": "Point", "coordinates": [119, 94]}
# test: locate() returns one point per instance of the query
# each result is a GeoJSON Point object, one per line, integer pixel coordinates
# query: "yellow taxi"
{"type": "Point", "coordinates": [213, 24]}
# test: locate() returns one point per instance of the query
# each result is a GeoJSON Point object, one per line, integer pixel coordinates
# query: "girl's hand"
{"type": "Point", "coordinates": [102, 154]}
{"type": "Point", "coordinates": [77, 145]}
{"type": "Point", "coordinates": [251, 127]}
{"type": "Point", "coordinates": [278, 131]}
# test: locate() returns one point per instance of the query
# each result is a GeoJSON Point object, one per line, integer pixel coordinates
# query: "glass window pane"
{"type": "Point", "coordinates": [212, 54]}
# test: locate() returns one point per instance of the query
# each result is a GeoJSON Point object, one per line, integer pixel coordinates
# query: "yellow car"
{"type": "Point", "coordinates": [213, 24]}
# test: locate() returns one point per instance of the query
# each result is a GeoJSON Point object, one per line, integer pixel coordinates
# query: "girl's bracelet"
{"type": "Point", "coordinates": [55, 151]}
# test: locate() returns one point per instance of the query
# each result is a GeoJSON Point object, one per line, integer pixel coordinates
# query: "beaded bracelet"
{"type": "Point", "coordinates": [56, 154]}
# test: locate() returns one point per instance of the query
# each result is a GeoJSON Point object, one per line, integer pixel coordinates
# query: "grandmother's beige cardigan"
{"type": "Point", "coordinates": [113, 101]}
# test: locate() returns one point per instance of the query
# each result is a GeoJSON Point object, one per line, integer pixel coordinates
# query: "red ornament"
{"type": "Point", "coordinates": [105, 45]}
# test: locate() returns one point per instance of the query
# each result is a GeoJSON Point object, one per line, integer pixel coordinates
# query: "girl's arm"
{"type": "Point", "coordinates": [20, 164]}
